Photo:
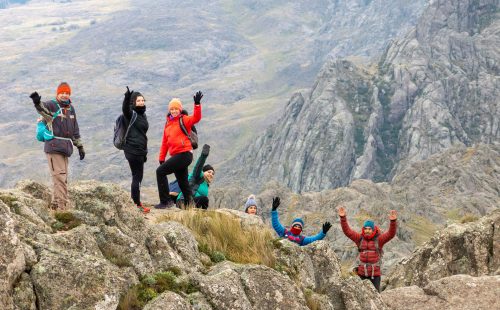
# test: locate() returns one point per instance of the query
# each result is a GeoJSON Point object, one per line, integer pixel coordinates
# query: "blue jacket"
{"type": "Point", "coordinates": [299, 239]}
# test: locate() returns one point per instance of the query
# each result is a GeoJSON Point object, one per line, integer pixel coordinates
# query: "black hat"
{"type": "Point", "coordinates": [208, 167]}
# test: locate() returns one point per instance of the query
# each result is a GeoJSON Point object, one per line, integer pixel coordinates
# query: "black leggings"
{"type": "Point", "coordinates": [136, 164]}
{"type": "Point", "coordinates": [375, 281]}
{"type": "Point", "coordinates": [200, 202]}
{"type": "Point", "coordinates": [178, 165]}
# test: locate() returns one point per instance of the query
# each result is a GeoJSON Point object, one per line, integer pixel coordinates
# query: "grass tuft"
{"type": "Point", "coordinates": [221, 237]}
{"type": "Point", "coordinates": [65, 221]}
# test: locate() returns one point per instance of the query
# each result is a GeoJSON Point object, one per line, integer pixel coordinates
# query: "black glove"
{"type": "Point", "coordinates": [326, 227]}
{"type": "Point", "coordinates": [36, 98]}
{"type": "Point", "coordinates": [197, 97]}
{"type": "Point", "coordinates": [161, 162]}
{"type": "Point", "coordinates": [81, 151]}
{"type": "Point", "coordinates": [276, 203]}
{"type": "Point", "coordinates": [206, 150]}
{"type": "Point", "coordinates": [128, 94]}
{"type": "Point", "coordinates": [145, 158]}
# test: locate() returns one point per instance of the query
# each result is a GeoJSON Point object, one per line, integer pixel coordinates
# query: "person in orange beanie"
{"type": "Point", "coordinates": [60, 116]}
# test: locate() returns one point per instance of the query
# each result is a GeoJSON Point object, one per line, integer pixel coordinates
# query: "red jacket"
{"type": "Point", "coordinates": [174, 140]}
{"type": "Point", "coordinates": [368, 251]}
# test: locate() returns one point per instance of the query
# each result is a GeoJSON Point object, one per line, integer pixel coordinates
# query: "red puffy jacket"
{"type": "Point", "coordinates": [174, 140]}
{"type": "Point", "coordinates": [368, 255]}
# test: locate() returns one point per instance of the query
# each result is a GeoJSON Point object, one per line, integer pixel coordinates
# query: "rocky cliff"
{"type": "Point", "coordinates": [435, 88]}
{"type": "Point", "coordinates": [103, 254]}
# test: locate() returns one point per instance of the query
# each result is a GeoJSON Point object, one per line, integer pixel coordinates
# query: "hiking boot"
{"type": "Point", "coordinates": [143, 208]}
{"type": "Point", "coordinates": [167, 205]}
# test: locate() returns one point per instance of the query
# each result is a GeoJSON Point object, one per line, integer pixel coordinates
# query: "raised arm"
{"type": "Point", "coordinates": [196, 117]}
{"type": "Point", "coordinates": [280, 230]}
{"type": "Point", "coordinates": [197, 170]}
{"type": "Point", "coordinates": [351, 234]}
{"type": "Point", "coordinates": [318, 236]}
{"type": "Point", "coordinates": [388, 235]}
{"type": "Point", "coordinates": [126, 107]}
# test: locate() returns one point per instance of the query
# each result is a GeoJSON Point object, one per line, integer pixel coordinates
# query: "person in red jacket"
{"type": "Point", "coordinates": [179, 147]}
{"type": "Point", "coordinates": [370, 243]}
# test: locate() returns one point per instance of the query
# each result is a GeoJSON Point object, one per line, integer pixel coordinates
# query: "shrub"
{"type": "Point", "coordinates": [221, 236]}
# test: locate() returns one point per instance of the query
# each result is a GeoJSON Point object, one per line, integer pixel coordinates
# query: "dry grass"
{"type": "Point", "coordinates": [219, 233]}
{"type": "Point", "coordinates": [423, 229]}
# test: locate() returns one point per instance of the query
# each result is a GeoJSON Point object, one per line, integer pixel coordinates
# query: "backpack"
{"type": "Point", "coordinates": [43, 132]}
{"type": "Point", "coordinates": [379, 251]}
{"type": "Point", "coordinates": [193, 137]}
{"type": "Point", "coordinates": [121, 130]}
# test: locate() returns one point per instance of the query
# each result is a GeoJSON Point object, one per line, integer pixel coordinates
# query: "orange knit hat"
{"type": "Point", "coordinates": [175, 103]}
{"type": "Point", "coordinates": [63, 88]}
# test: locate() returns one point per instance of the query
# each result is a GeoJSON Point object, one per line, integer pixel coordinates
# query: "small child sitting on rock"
{"type": "Point", "coordinates": [294, 234]}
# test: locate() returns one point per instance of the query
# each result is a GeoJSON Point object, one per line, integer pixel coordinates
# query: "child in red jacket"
{"type": "Point", "coordinates": [370, 243]}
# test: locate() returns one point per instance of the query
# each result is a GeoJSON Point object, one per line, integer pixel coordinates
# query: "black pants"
{"type": "Point", "coordinates": [375, 281]}
{"type": "Point", "coordinates": [200, 202]}
{"type": "Point", "coordinates": [136, 164]}
{"type": "Point", "coordinates": [178, 165]}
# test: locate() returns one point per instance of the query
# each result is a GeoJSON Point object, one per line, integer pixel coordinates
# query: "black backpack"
{"type": "Point", "coordinates": [121, 130]}
{"type": "Point", "coordinates": [193, 137]}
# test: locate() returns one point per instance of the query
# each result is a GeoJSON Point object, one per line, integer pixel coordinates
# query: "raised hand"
{"type": "Point", "coordinates": [128, 94]}
{"type": "Point", "coordinates": [197, 97]}
{"type": "Point", "coordinates": [393, 215]}
{"type": "Point", "coordinates": [276, 203]}
{"type": "Point", "coordinates": [341, 211]}
{"type": "Point", "coordinates": [205, 150]}
{"type": "Point", "coordinates": [326, 227]}
{"type": "Point", "coordinates": [36, 98]}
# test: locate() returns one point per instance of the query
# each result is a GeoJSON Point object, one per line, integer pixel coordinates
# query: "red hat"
{"type": "Point", "coordinates": [63, 88]}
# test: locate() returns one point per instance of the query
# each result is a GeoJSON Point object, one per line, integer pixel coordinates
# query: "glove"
{"type": "Point", "coordinates": [197, 97]}
{"type": "Point", "coordinates": [36, 98]}
{"type": "Point", "coordinates": [128, 94]}
{"type": "Point", "coordinates": [81, 152]}
{"type": "Point", "coordinates": [145, 158]}
{"type": "Point", "coordinates": [326, 227]}
{"type": "Point", "coordinates": [206, 150]}
{"type": "Point", "coordinates": [161, 162]}
{"type": "Point", "coordinates": [276, 203]}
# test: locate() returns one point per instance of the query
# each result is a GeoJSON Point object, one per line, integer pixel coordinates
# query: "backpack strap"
{"type": "Point", "coordinates": [132, 121]}
{"type": "Point", "coordinates": [183, 127]}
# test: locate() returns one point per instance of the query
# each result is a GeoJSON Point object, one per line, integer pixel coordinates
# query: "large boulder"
{"type": "Point", "coordinates": [168, 301]}
{"type": "Point", "coordinates": [454, 292]}
{"type": "Point", "coordinates": [470, 248]}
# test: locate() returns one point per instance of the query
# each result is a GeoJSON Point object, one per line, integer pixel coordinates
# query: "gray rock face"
{"type": "Point", "coordinates": [434, 89]}
{"type": "Point", "coordinates": [458, 249]}
{"type": "Point", "coordinates": [168, 301]}
{"type": "Point", "coordinates": [455, 292]}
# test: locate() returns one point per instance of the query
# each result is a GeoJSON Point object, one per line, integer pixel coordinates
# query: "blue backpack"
{"type": "Point", "coordinates": [43, 132]}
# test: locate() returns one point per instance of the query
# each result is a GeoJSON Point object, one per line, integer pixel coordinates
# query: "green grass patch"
{"type": "Point", "coordinates": [65, 221]}
{"type": "Point", "coordinates": [423, 229]}
{"type": "Point", "coordinates": [151, 286]}
{"type": "Point", "coordinates": [8, 199]}
{"type": "Point", "coordinates": [115, 257]}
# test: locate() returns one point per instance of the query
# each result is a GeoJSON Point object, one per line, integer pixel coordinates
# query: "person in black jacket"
{"type": "Point", "coordinates": [136, 145]}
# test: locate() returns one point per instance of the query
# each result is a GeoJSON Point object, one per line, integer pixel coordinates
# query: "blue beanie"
{"type": "Point", "coordinates": [369, 223]}
{"type": "Point", "coordinates": [250, 202]}
{"type": "Point", "coordinates": [298, 221]}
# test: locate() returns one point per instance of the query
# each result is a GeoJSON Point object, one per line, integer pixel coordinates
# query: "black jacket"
{"type": "Point", "coordinates": [137, 141]}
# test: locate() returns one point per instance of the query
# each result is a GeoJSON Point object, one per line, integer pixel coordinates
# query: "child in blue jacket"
{"type": "Point", "coordinates": [294, 234]}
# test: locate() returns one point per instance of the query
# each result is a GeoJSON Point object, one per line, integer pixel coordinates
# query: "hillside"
{"type": "Point", "coordinates": [247, 56]}
{"type": "Point", "coordinates": [433, 89]}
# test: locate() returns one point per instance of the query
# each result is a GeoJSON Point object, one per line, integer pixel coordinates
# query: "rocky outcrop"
{"type": "Point", "coordinates": [459, 249]}
{"type": "Point", "coordinates": [433, 89]}
{"type": "Point", "coordinates": [455, 292]}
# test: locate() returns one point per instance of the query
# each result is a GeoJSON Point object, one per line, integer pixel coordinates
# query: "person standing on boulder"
{"type": "Point", "coordinates": [178, 145]}
{"type": "Point", "coordinates": [66, 133]}
{"type": "Point", "coordinates": [294, 234]}
{"type": "Point", "coordinates": [136, 145]}
{"type": "Point", "coordinates": [370, 243]}
{"type": "Point", "coordinates": [200, 180]}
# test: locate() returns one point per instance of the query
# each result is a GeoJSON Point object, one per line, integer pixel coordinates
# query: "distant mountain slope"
{"type": "Point", "coordinates": [435, 88]}
{"type": "Point", "coordinates": [247, 56]}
